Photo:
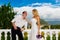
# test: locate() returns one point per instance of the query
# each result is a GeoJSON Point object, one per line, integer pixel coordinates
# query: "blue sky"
{"type": "Point", "coordinates": [20, 3]}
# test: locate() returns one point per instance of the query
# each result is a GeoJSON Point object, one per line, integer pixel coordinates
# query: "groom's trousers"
{"type": "Point", "coordinates": [18, 32]}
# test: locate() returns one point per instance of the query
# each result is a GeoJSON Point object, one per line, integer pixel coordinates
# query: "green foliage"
{"type": "Point", "coordinates": [3, 36]}
{"type": "Point", "coordinates": [55, 26]}
{"type": "Point", "coordinates": [51, 27]}
{"type": "Point", "coordinates": [59, 36]}
{"type": "Point", "coordinates": [48, 37]}
{"type": "Point", "coordinates": [6, 15]}
{"type": "Point", "coordinates": [25, 36]}
{"type": "Point", "coordinates": [53, 37]}
{"type": "Point", "coordinates": [45, 27]}
{"type": "Point", "coordinates": [8, 36]}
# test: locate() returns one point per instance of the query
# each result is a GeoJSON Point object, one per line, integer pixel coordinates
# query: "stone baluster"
{"type": "Point", "coordinates": [50, 35]}
{"type": "Point", "coordinates": [5, 35]}
{"type": "Point", "coordinates": [0, 35]}
{"type": "Point", "coordinates": [56, 35]}
{"type": "Point", "coordinates": [45, 35]}
{"type": "Point", "coordinates": [16, 37]}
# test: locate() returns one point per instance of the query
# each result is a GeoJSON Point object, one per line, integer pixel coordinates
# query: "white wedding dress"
{"type": "Point", "coordinates": [34, 29]}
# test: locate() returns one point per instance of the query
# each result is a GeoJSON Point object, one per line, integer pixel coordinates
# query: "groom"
{"type": "Point", "coordinates": [18, 23]}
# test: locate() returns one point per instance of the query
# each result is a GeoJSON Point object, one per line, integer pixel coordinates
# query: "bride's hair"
{"type": "Point", "coordinates": [35, 12]}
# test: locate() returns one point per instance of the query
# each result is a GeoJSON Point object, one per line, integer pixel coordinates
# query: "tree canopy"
{"type": "Point", "coordinates": [6, 15]}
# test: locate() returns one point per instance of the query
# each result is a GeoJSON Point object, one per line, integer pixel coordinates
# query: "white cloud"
{"type": "Point", "coordinates": [57, 1]}
{"type": "Point", "coordinates": [38, 4]}
{"type": "Point", "coordinates": [46, 4]}
{"type": "Point", "coordinates": [46, 11]}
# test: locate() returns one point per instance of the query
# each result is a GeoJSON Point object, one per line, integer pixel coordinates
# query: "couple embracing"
{"type": "Point", "coordinates": [21, 21]}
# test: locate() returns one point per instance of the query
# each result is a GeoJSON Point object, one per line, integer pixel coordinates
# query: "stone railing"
{"type": "Point", "coordinates": [46, 32]}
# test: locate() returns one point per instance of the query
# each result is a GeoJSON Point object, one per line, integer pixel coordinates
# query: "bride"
{"type": "Point", "coordinates": [35, 23]}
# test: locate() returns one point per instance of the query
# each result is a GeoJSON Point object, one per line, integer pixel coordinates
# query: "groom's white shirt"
{"type": "Point", "coordinates": [20, 22]}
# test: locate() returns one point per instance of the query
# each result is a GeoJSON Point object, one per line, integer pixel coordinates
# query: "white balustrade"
{"type": "Point", "coordinates": [0, 35]}
{"type": "Point", "coordinates": [50, 31]}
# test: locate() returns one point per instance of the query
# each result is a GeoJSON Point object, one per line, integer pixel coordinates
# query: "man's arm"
{"type": "Point", "coordinates": [13, 23]}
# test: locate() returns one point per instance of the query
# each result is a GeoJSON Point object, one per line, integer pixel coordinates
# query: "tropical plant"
{"type": "Point", "coordinates": [6, 15]}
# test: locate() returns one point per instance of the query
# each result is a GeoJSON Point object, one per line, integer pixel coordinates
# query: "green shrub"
{"type": "Point", "coordinates": [59, 36]}
{"type": "Point", "coordinates": [8, 36]}
{"type": "Point", "coordinates": [3, 36]}
{"type": "Point", "coordinates": [53, 37]}
{"type": "Point", "coordinates": [55, 26]}
{"type": "Point", "coordinates": [48, 37]}
{"type": "Point", "coordinates": [25, 36]}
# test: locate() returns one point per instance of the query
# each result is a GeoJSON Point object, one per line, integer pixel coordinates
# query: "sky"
{"type": "Point", "coordinates": [20, 3]}
{"type": "Point", "coordinates": [48, 10]}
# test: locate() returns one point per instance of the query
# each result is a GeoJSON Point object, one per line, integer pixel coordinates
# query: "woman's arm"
{"type": "Point", "coordinates": [38, 23]}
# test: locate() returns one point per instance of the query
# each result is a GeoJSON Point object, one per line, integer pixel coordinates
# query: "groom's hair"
{"type": "Point", "coordinates": [24, 12]}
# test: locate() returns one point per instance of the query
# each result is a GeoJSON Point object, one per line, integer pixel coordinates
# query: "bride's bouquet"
{"type": "Point", "coordinates": [38, 36]}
